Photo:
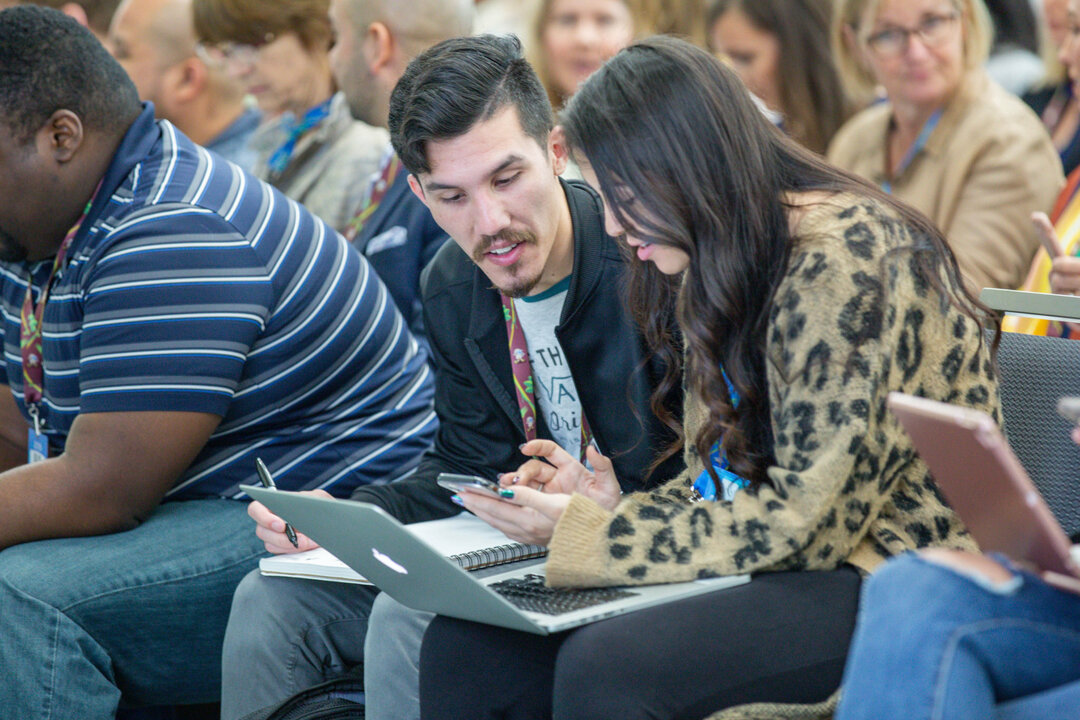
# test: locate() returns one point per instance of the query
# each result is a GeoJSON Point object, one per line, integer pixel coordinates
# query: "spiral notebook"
{"type": "Point", "coordinates": [465, 539]}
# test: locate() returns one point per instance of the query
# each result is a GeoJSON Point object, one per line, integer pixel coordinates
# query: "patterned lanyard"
{"type": "Point", "coordinates": [523, 379]}
{"type": "Point", "coordinates": [915, 149]}
{"type": "Point", "coordinates": [1055, 108]}
{"type": "Point", "coordinates": [30, 339]}
{"type": "Point", "coordinates": [281, 157]}
{"type": "Point", "coordinates": [730, 482]}
{"type": "Point", "coordinates": [374, 196]}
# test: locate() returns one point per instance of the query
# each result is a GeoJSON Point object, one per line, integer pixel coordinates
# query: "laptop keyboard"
{"type": "Point", "coordinates": [529, 593]}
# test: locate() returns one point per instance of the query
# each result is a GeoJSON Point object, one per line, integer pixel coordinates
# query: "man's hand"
{"type": "Point", "coordinates": [271, 529]}
{"type": "Point", "coordinates": [553, 470]}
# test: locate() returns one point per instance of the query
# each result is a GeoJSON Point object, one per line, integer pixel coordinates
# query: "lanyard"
{"type": "Point", "coordinates": [374, 196]}
{"type": "Point", "coordinates": [915, 149]}
{"type": "Point", "coordinates": [523, 380]}
{"type": "Point", "coordinates": [1055, 108]}
{"type": "Point", "coordinates": [30, 338]}
{"type": "Point", "coordinates": [313, 117]}
{"type": "Point", "coordinates": [731, 483]}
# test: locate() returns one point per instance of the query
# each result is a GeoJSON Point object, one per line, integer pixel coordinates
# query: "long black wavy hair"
{"type": "Point", "coordinates": [686, 159]}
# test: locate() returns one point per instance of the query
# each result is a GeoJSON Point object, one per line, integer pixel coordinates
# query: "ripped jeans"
{"type": "Point", "coordinates": [932, 642]}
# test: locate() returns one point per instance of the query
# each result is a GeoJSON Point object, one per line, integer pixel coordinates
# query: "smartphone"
{"type": "Point", "coordinates": [1069, 408]}
{"type": "Point", "coordinates": [470, 483]}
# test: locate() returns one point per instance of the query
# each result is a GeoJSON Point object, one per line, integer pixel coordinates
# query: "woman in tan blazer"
{"type": "Point", "coordinates": [947, 139]}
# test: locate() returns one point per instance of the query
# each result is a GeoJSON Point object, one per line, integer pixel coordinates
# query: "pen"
{"type": "Point", "coordinates": [268, 483]}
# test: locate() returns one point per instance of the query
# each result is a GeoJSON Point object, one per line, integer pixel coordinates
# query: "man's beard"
{"type": "Point", "coordinates": [521, 286]}
{"type": "Point", "coordinates": [11, 250]}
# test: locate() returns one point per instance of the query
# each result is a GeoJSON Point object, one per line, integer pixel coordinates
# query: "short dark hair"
{"type": "Point", "coordinates": [49, 62]}
{"type": "Point", "coordinates": [451, 86]}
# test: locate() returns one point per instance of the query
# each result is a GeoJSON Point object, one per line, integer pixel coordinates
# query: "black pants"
{"type": "Point", "coordinates": [781, 638]}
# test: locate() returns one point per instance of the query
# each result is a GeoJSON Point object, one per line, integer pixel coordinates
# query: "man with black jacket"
{"type": "Point", "coordinates": [527, 327]}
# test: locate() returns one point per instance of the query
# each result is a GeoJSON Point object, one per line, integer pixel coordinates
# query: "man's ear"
{"type": "Point", "coordinates": [61, 136]}
{"type": "Point", "coordinates": [378, 48]}
{"type": "Point", "coordinates": [76, 11]}
{"type": "Point", "coordinates": [187, 79]}
{"type": "Point", "coordinates": [418, 191]}
{"type": "Point", "coordinates": [558, 149]}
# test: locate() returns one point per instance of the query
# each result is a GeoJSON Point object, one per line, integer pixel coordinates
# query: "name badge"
{"type": "Point", "coordinates": [37, 446]}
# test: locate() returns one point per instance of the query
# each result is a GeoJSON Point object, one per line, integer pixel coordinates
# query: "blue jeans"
{"type": "Point", "coordinates": [287, 634]}
{"type": "Point", "coordinates": [392, 660]}
{"type": "Point", "coordinates": [138, 616]}
{"type": "Point", "coordinates": [933, 643]}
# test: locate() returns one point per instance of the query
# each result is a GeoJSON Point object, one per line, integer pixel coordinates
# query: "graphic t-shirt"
{"type": "Point", "coordinates": [556, 396]}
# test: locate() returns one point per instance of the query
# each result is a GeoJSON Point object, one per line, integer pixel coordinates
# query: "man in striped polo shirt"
{"type": "Point", "coordinates": [166, 320]}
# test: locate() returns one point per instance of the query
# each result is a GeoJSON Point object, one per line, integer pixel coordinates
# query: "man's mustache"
{"type": "Point", "coordinates": [503, 236]}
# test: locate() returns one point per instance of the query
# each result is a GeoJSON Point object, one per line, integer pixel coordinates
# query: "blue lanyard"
{"type": "Point", "coordinates": [313, 117]}
{"type": "Point", "coordinates": [729, 481]}
{"type": "Point", "coordinates": [915, 149]}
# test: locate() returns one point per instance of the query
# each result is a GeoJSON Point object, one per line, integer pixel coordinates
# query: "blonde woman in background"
{"type": "Point", "coordinates": [947, 140]}
{"type": "Point", "coordinates": [573, 38]}
{"type": "Point", "coordinates": [309, 146]}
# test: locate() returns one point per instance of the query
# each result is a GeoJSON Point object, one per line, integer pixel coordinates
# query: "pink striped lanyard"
{"type": "Point", "coordinates": [523, 379]}
{"type": "Point", "coordinates": [30, 337]}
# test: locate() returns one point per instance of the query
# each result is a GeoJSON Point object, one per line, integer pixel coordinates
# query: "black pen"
{"type": "Point", "coordinates": [268, 483]}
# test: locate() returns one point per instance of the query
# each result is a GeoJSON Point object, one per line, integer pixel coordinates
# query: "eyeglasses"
{"type": "Point", "coordinates": [230, 55]}
{"type": "Point", "coordinates": [932, 31]}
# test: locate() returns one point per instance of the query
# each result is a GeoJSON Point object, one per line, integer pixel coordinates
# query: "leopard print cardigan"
{"type": "Point", "coordinates": [852, 320]}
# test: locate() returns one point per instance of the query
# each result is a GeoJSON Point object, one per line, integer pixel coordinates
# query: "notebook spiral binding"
{"type": "Point", "coordinates": [498, 555]}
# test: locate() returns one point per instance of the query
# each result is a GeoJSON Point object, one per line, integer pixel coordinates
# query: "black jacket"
{"type": "Point", "coordinates": [479, 422]}
{"type": "Point", "coordinates": [399, 239]}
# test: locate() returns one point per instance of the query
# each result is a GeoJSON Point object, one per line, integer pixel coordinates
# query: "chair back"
{"type": "Point", "coordinates": [1036, 370]}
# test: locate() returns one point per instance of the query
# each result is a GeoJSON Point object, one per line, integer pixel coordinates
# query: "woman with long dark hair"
{"type": "Point", "coordinates": [780, 49]}
{"type": "Point", "coordinates": [804, 296]}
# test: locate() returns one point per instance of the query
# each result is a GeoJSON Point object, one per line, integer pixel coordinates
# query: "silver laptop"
{"type": "Point", "coordinates": [377, 546]}
{"type": "Point", "coordinates": [1047, 306]}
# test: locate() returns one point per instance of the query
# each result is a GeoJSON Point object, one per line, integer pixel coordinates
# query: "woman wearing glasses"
{"type": "Point", "coordinates": [309, 146]}
{"type": "Point", "coordinates": [947, 139]}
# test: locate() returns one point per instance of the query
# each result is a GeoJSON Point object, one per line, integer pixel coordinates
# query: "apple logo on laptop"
{"type": "Point", "coordinates": [389, 562]}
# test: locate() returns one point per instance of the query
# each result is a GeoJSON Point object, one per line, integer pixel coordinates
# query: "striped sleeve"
{"type": "Point", "coordinates": [170, 313]}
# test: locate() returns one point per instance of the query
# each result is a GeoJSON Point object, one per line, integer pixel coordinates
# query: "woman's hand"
{"type": "Point", "coordinates": [1047, 234]}
{"type": "Point", "coordinates": [1064, 270]}
{"type": "Point", "coordinates": [969, 564]}
{"type": "Point", "coordinates": [1065, 275]}
{"type": "Point", "coordinates": [524, 514]}
{"type": "Point", "coordinates": [562, 473]}
{"type": "Point", "coordinates": [271, 529]}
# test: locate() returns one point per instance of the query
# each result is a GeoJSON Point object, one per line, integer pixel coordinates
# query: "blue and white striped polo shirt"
{"type": "Point", "coordinates": [191, 286]}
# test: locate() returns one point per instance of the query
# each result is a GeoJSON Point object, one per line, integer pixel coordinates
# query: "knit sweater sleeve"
{"type": "Point", "coordinates": [833, 332]}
